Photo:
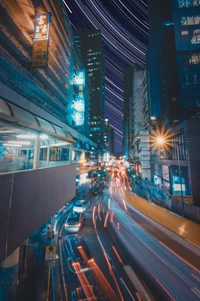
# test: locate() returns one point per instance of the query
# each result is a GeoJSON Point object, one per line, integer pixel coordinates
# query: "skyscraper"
{"type": "Point", "coordinates": [173, 58]}
{"type": "Point", "coordinates": [136, 118]}
{"type": "Point", "coordinates": [186, 18]}
{"type": "Point", "coordinates": [89, 43]}
{"type": "Point", "coordinates": [161, 63]}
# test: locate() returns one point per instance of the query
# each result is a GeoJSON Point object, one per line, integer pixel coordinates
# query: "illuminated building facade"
{"type": "Point", "coordinates": [186, 18]}
{"type": "Point", "coordinates": [136, 115]}
{"type": "Point", "coordinates": [173, 60]}
{"type": "Point", "coordinates": [89, 43]}
{"type": "Point", "coordinates": [173, 73]}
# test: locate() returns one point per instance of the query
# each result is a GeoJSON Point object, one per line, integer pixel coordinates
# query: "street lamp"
{"type": "Point", "coordinates": [161, 141]}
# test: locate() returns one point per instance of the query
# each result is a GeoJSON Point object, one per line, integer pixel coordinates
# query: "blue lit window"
{"type": "Point", "coordinates": [190, 20]}
{"type": "Point", "coordinates": [188, 3]}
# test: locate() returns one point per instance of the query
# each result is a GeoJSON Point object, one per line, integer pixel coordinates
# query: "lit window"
{"type": "Point", "coordinates": [184, 33]}
{"type": "Point", "coordinates": [194, 59]}
{"type": "Point", "coordinates": [196, 37]}
{"type": "Point", "coordinates": [188, 3]}
{"type": "Point", "coordinates": [190, 20]}
{"type": "Point", "coordinates": [197, 19]}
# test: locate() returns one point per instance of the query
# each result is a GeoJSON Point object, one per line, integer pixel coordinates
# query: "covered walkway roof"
{"type": "Point", "coordinates": [17, 119]}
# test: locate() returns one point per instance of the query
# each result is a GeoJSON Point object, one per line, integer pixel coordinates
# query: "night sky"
{"type": "Point", "coordinates": [124, 28]}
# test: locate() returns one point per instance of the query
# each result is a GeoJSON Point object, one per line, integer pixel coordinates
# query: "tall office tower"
{"type": "Point", "coordinates": [128, 76]}
{"type": "Point", "coordinates": [89, 43]}
{"type": "Point", "coordinates": [173, 58]}
{"type": "Point", "coordinates": [161, 63]}
{"type": "Point", "coordinates": [145, 101]}
{"type": "Point", "coordinates": [186, 18]}
{"type": "Point", "coordinates": [136, 114]}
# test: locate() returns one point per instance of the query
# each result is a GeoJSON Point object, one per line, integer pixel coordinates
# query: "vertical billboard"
{"type": "Point", "coordinates": [78, 106]}
{"type": "Point", "coordinates": [40, 40]}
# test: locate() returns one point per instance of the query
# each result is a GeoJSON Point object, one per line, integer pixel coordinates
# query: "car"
{"type": "Point", "coordinates": [81, 206]}
{"type": "Point", "coordinates": [74, 222]}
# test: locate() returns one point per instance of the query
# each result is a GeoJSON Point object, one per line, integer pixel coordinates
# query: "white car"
{"type": "Point", "coordinates": [74, 222]}
{"type": "Point", "coordinates": [81, 206]}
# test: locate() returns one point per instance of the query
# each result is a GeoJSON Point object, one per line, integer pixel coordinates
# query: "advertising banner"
{"type": "Point", "coordinates": [78, 105]}
{"type": "Point", "coordinates": [40, 40]}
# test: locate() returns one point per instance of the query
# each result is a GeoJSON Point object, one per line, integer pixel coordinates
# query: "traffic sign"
{"type": "Point", "coordinates": [50, 254]}
{"type": "Point", "coordinates": [51, 249]}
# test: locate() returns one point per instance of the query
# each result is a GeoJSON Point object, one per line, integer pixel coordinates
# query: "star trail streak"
{"type": "Point", "coordinates": [124, 28]}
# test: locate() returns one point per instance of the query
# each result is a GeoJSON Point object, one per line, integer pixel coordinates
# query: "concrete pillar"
{"type": "Point", "coordinates": [48, 152]}
{"type": "Point", "coordinates": [36, 157]}
{"type": "Point", "coordinates": [8, 277]}
{"type": "Point", "coordinates": [70, 153]}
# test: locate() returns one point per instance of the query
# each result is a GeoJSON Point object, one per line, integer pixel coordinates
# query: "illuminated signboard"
{"type": "Point", "coordinates": [40, 40]}
{"type": "Point", "coordinates": [78, 105]}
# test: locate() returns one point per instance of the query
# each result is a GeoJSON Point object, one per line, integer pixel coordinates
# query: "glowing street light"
{"type": "Point", "coordinates": [164, 141]}
{"type": "Point", "coordinates": [160, 140]}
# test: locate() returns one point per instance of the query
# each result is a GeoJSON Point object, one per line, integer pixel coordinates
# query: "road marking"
{"type": "Point", "coordinates": [193, 267]}
{"type": "Point", "coordinates": [48, 284]}
{"type": "Point", "coordinates": [127, 289]}
{"type": "Point", "coordinates": [195, 277]}
{"type": "Point", "coordinates": [137, 283]}
{"type": "Point", "coordinates": [165, 289]}
{"type": "Point", "coordinates": [196, 291]}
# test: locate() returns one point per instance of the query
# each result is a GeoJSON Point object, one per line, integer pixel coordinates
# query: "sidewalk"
{"type": "Point", "coordinates": [183, 227]}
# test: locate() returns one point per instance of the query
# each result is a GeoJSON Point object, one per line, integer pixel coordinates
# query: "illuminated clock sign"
{"type": "Point", "coordinates": [78, 105]}
{"type": "Point", "coordinates": [40, 40]}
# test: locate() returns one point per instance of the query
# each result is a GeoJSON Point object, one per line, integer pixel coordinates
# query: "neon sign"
{"type": "Point", "coordinates": [78, 105]}
{"type": "Point", "coordinates": [40, 40]}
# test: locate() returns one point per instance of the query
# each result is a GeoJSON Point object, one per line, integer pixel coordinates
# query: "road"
{"type": "Point", "coordinates": [123, 254]}
{"type": "Point", "coordinates": [141, 263]}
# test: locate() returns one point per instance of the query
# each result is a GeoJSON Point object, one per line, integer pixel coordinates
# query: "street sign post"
{"type": "Point", "coordinates": [50, 255]}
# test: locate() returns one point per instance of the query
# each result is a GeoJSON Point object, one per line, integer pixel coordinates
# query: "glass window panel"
{"type": "Point", "coordinates": [197, 19]}
{"type": "Point", "coordinates": [190, 20]}
{"type": "Point", "coordinates": [183, 21]}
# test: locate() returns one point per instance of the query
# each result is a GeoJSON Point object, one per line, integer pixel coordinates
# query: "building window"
{"type": "Point", "coordinates": [196, 37]}
{"type": "Point", "coordinates": [194, 59]}
{"type": "Point", "coordinates": [196, 19]}
{"type": "Point", "coordinates": [190, 20]}
{"type": "Point", "coordinates": [188, 3]}
{"type": "Point", "coordinates": [184, 35]}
